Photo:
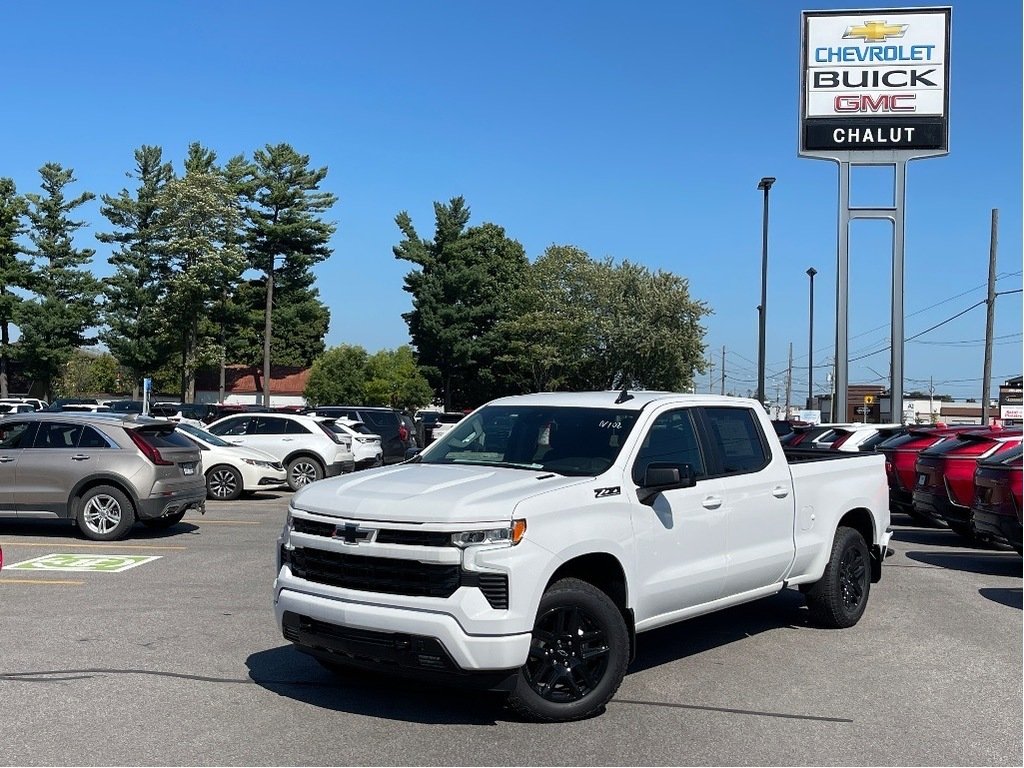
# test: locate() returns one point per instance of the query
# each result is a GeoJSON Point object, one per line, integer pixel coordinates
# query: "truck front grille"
{"type": "Point", "coordinates": [375, 574]}
{"type": "Point", "coordinates": [384, 535]}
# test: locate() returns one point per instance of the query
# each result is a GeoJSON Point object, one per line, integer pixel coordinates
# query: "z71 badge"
{"type": "Point", "coordinates": [600, 493]}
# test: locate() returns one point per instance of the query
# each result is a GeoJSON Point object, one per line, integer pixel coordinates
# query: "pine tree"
{"type": "Point", "coordinates": [54, 324]}
{"type": "Point", "coordinates": [134, 292]}
{"type": "Point", "coordinates": [15, 272]}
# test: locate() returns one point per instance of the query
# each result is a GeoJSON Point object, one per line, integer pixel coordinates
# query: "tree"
{"type": "Point", "coordinates": [134, 292]}
{"type": "Point", "coordinates": [286, 236]}
{"type": "Point", "coordinates": [15, 272]}
{"type": "Point", "coordinates": [54, 324]}
{"type": "Point", "coordinates": [199, 221]}
{"type": "Point", "coordinates": [394, 379]}
{"type": "Point", "coordinates": [87, 373]}
{"type": "Point", "coordinates": [460, 292]}
{"type": "Point", "coordinates": [338, 377]}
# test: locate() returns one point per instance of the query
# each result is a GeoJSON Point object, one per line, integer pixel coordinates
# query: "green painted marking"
{"type": "Point", "coordinates": [82, 563]}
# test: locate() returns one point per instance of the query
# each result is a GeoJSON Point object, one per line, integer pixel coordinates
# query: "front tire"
{"type": "Point", "coordinates": [838, 599]}
{"type": "Point", "coordinates": [302, 471]}
{"type": "Point", "coordinates": [105, 514]}
{"type": "Point", "coordinates": [578, 655]}
{"type": "Point", "coordinates": [223, 483]}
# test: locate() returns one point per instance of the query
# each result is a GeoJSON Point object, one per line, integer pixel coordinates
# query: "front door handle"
{"type": "Point", "coordinates": [780, 492]}
{"type": "Point", "coordinates": [80, 457]}
{"type": "Point", "coordinates": [712, 502]}
{"type": "Point", "coordinates": [6, 459]}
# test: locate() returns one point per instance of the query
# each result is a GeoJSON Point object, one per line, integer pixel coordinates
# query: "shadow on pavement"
{"type": "Point", "coordinates": [66, 529]}
{"type": "Point", "coordinates": [986, 563]}
{"type": "Point", "coordinates": [1012, 598]}
{"type": "Point", "coordinates": [295, 675]}
{"type": "Point", "coordinates": [934, 537]}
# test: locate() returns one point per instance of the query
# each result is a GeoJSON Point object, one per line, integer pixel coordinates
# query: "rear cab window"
{"type": "Point", "coordinates": [737, 440]}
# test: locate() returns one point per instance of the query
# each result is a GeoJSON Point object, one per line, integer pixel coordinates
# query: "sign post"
{"type": "Point", "coordinates": [147, 388]}
{"type": "Point", "coordinates": [874, 90]}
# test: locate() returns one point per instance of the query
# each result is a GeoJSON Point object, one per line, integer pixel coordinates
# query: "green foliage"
{"type": "Point", "coordinates": [199, 221]}
{"type": "Point", "coordinates": [586, 325]}
{"type": "Point", "coordinates": [285, 234]}
{"type": "Point", "coordinates": [394, 379]}
{"type": "Point", "coordinates": [338, 377]}
{"type": "Point", "coordinates": [54, 324]}
{"type": "Point", "coordinates": [86, 373]}
{"type": "Point", "coordinates": [460, 292]}
{"type": "Point", "coordinates": [133, 294]}
{"type": "Point", "coordinates": [15, 272]}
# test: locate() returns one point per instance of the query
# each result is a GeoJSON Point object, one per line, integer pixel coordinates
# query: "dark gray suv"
{"type": "Point", "coordinates": [103, 471]}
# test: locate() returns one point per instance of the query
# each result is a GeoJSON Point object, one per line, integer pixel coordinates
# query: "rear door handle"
{"type": "Point", "coordinates": [712, 502]}
{"type": "Point", "coordinates": [780, 492]}
{"type": "Point", "coordinates": [80, 457]}
{"type": "Point", "coordinates": [6, 459]}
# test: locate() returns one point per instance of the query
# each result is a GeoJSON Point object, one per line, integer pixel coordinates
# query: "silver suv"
{"type": "Point", "coordinates": [104, 471]}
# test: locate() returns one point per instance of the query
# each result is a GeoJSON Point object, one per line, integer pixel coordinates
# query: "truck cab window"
{"type": "Point", "coordinates": [671, 439]}
{"type": "Point", "coordinates": [739, 439]}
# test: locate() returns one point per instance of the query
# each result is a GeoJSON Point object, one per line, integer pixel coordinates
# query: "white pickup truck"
{"type": "Point", "coordinates": [527, 548]}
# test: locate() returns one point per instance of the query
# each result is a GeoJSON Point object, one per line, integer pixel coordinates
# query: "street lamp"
{"type": "Point", "coordinates": [765, 184]}
{"type": "Point", "coordinates": [810, 343]}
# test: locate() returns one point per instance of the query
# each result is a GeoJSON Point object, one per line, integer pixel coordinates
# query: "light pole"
{"type": "Point", "coordinates": [765, 184]}
{"type": "Point", "coordinates": [810, 343]}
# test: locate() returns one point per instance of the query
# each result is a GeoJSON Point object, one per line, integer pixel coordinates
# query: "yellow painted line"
{"type": "Point", "coordinates": [41, 581]}
{"type": "Point", "coordinates": [76, 545]}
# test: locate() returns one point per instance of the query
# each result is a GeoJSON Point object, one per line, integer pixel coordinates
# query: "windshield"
{"type": "Point", "coordinates": [569, 441]}
{"type": "Point", "coordinates": [206, 437]}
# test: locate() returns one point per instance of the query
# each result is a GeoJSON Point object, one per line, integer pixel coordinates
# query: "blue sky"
{"type": "Point", "coordinates": [636, 131]}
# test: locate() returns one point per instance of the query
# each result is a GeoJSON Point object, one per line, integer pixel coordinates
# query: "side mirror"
{"type": "Point", "coordinates": [661, 476]}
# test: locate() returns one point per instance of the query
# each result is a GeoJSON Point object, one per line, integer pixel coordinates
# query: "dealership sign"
{"type": "Point", "coordinates": [874, 81]}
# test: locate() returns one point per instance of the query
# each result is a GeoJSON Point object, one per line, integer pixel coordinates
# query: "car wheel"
{"type": "Point", "coordinates": [839, 598]}
{"type": "Point", "coordinates": [223, 483]}
{"type": "Point", "coordinates": [303, 471]}
{"type": "Point", "coordinates": [105, 514]}
{"type": "Point", "coordinates": [166, 521]}
{"type": "Point", "coordinates": [578, 655]}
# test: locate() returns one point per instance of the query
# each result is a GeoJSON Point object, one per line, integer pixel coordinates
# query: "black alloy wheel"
{"type": "Point", "coordinates": [568, 655]}
{"type": "Point", "coordinates": [852, 569]}
{"type": "Point", "coordinates": [838, 599]}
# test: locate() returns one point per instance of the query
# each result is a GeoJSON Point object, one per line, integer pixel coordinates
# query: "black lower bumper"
{"type": "Point", "coordinates": [1005, 529]}
{"type": "Point", "coordinates": [940, 508]}
{"type": "Point", "coordinates": [398, 653]}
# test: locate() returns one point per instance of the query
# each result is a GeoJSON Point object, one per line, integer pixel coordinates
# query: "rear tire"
{"type": "Point", "coordinates": [105, 513]}
{"type": "Point", "coordinates": [302, 471]}
{"type": "Point", "coordinates": [839, 598]}
{"type": "Point", "coordinates": [578, 655]}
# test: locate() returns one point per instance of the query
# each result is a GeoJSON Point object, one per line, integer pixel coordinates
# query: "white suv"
{"type": "Point", "coordinates": [310, 447]}
{"type": "Point", "coordinates": [366, 444]}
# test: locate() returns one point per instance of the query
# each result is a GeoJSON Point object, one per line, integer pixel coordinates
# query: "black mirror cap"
{"type": "Point", "coordinates": [664, 476]}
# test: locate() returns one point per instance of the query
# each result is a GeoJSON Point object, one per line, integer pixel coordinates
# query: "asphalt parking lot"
{"type": "Point", "coordinates": [177, 661]}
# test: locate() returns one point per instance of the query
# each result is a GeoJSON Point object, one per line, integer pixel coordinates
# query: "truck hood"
{"type": "Point", "coordinates": [429, 493]}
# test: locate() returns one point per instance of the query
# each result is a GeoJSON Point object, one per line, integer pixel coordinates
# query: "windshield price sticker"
{"type": "Point", "coordinates": [83, 563]}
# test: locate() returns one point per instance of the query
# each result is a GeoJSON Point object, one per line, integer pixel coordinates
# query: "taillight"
{"type": "Point", "coordinates": [148, 450]}
{"type": "Point", "coordinates": [403, 432]}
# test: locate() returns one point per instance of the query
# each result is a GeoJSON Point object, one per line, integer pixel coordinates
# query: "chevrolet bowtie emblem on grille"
{"type": "Point", "coordinates": [352, 534]}
{"type": "Point", "coordinates": [876, 31]}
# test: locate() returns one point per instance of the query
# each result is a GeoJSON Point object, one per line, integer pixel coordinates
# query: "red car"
{"type": "Point", "coordinates": [996, 510]}
{"type": "Point", "coordinates": [900, 456]}
{"type": "Point", "coordinates": [944, 489]}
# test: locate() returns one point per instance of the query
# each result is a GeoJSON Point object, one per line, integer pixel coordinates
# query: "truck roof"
{"type": "Point", "coordinates": [637, 399]}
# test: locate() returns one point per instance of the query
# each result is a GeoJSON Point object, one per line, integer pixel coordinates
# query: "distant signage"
{"type": "Point", "coordinates": [1011, 412]}
{"type": "Point", "coordinates": [811, 417]}
{"type": "Point", "coordinates": [83, 563]}
{"type": "Point", "coordinates": [869, 399]}
{"type": "Point", "coordinates": [875, 80]}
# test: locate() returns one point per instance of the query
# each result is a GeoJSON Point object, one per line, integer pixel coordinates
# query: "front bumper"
{"type": "Point", "coordinates": [333, 626]}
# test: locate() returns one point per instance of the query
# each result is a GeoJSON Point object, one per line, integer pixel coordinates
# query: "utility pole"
{"type": "Point", "coordinates": [931, 398]}
{"type": "Point", "coordinates": [723, 370]}
{"type": "Point", "coordinates": [777, 395]}
{"type": "Point", "coordinates": [789, 379]}
{"type": "Point", "coordinates": [990, 320]}
{"type": "Point", "coordinates": [711, 370]}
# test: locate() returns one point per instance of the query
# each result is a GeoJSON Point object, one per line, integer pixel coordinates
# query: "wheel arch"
{"type": "Point", "coordinates": [304, 453]}
{"type": "Point", "coordinates": [88, 483]}
{"type": "Point", "coordinates": [604, 571]}
{"type": "Point", "coordinates": [861, 520]}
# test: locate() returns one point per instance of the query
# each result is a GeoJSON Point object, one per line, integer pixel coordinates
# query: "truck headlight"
{"type": "Point", "coordinates": [510, 535]}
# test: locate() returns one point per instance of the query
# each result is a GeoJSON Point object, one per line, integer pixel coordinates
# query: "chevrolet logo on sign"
{"type": "Point", "coordinates": [352, 534]}
{"type": "Point", "coordinates": [876, 31]}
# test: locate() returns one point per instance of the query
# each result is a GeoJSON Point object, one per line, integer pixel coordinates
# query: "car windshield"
{"type": "Point", "coordinates": [206, 437]}
{"type": "Point", "coordinates": [569, 441]}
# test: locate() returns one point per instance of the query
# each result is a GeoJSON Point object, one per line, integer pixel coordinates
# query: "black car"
{"type": "Point", "coordinates": [397, 433]}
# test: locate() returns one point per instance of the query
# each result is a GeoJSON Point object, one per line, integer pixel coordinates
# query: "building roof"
{"type": "Point", "coordinates": [248, 379]}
